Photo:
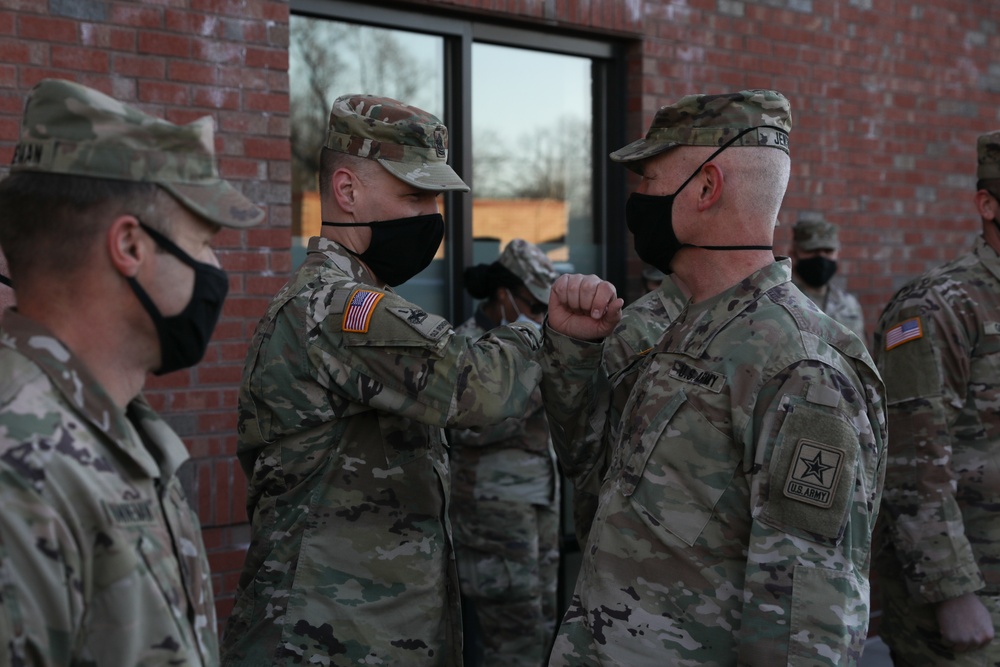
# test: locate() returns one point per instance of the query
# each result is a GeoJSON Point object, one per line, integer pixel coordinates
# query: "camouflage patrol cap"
{"type": "Point", "coordinates": [528, 262]}
{"type": "Point", "coordinates": [72, 129]}
{"type": "Point", "coordinates": [712, 120]}
{"type": "Point", "coordinates": [410, 143]}
{"type": "Point", "coordinates": [815, 235]}
{"type": "Point", "coordinates": [988, 156]}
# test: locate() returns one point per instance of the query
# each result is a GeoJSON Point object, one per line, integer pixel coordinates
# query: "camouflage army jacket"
{"type": "Point", "coordinates": [101, 557]}
{"type": "Point", "coordinates": [838, 303]}
{"type": "Point", "coordinates": [512, 460]}
{"type": "Point", "coordinates": [734, 522]}
{"type": "Point", "coordinates": [642, 324]}
{"type": "Point", "coordinates": [345, 393]}
{"type": "Point", "coordinates": [938, 347]}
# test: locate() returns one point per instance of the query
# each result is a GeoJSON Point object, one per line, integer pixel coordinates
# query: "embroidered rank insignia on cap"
{"type": "Point", "coordinates": [814, 473]}
{"type": "Point", "coordinates": [903, 333]}
{"type": "Point", "coordinates": [359, 310]}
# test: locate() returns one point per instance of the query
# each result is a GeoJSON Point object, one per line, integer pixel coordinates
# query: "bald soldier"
{"type": "Point", "coordinates": [734, 520]}
{"type": "Point", "coordinates": [938, 347]}
{"type": "Point", "coordinates": [815, 248]}
{"type": "Point", "coordinates": [345, 392]}
{"type": "Point", "coordinates": [106, 220]}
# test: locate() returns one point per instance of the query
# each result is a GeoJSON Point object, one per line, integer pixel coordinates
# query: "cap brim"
{"type": "Point", "coordinates": [539, 293]}
{"type": "Point", "coordinates": [438, 177]}
{"type": "Point", "coordinates": [640, 150]}
{"type": "Point", "coordinates": [219, 202]}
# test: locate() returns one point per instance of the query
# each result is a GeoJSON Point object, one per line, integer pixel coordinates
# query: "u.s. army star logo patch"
{"type": "Point", "coordinates": [814, 473]}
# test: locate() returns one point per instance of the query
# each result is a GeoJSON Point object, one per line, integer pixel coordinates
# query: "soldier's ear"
{"type": "Point", "coordinates": [126, 244]}
{"type": "Point", "coordinates": [344, 185]}
{"type": "Point", "coordinates": [711, 180]}
{"type": "Point", "coordinates": [987, 205]}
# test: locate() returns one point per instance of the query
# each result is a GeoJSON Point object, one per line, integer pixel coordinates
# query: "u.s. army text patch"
{"type": "Point", "coordinates": [703, 378]}
{"type": "Point", "coordinates": [814, 473]}
{"type": "Point", "coordinates": [360, 307]}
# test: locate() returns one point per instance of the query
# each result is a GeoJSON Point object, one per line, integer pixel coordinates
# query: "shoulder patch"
{"type": "Point", "coordinates": [814, 473]}
{"type": "Point", "coordinates": [361, 305]}
{"type": "Point", "coordinates": [904, 332]}
{"type": "Point", "coordinates": [429, 326]}
{"type": "Point", "coordinates": [991, 328]}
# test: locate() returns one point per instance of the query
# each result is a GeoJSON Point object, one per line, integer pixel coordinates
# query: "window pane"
{"type": "Point", "coordinates": [532, 154]}
{"type": "Point", "coordinates": [328, 59]}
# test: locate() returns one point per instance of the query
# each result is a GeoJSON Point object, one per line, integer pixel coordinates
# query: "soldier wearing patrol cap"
{"type": "Point", "coordinates": [106, 220]}
{"type": "Point", "coordinates": [815, 246]}
{"type": "Point", "coordinates": [938, 347]}
{"type": "Point", "coordinates": [505, 491]}
{"type": "Point", "coordinates": [346, 390]}
{"type": "Point", "coordinates": [737, 504]}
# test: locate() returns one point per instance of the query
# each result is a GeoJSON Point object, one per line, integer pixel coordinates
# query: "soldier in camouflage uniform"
{"type": "Point", "coordinates": [815, 246]}
{"type": "Point", "coordinates": [938, 544]}
{"type": "Point", "coordinates": [505, 491]}
{"type": "Point", "coordinates": [346, 390]}
{"type": "Point", "coordinates": [105, 220]}
{"type": "Point", "coordinates": [735, 516]}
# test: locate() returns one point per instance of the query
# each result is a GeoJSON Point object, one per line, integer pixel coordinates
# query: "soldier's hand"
{"type": "Point", "coordinates": [965, 623]}
{"type": "Point", "coordinates": [584, 306]}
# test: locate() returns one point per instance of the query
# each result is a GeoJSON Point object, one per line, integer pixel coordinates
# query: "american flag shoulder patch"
{"type": "Point", "coordinates": [903, 333]}
{"type": "Point", "coordinates": [359, 310]}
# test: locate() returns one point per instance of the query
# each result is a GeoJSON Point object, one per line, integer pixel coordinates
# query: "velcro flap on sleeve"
{"type": "Point", "coordinates": [813, 474]}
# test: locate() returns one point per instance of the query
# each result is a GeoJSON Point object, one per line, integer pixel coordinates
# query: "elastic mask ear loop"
{"type": "Point", "coordinates": [695, 173]}
{"type": "Point", "coordinates": [6, 281]}
{"type": "Point", "coordinates": [512, 302]}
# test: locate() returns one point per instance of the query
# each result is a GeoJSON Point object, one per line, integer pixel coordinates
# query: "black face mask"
{"type": "Point", "coordinates": [650, 219]}
{"type": "Point", "coordinates": [816, 271]}
{"type": "Point", "coordinates": [184, 337]}
{"type": "Point", "coordinates": [400, 248]}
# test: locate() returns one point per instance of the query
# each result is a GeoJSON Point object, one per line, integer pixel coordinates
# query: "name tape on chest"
{"type": "Point", "coordinates": [708, 379]}
{"type": "Point", "coordinates": [814, 473]}
{"type": "Point", "coordinates": [131, 513]}
{"type": "Point", "coordinates": [903, 332]}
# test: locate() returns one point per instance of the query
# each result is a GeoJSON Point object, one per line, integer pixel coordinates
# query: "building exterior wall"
{"type": "Point", "coordinates": [887, 97]}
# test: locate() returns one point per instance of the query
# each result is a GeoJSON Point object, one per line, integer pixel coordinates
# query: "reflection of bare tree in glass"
{"type": "Point", "coordinates": [328, 59]}
{"type": "Point", "coordinates": [552, 162]}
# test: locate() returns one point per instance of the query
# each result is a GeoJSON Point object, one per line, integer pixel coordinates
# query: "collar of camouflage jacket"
{"type": "Point", "coordinates": [324, 250]}
{"type": "Point", "coordinates": [87, 397]}
{"type": "Point", "coordinates": [705, 318]}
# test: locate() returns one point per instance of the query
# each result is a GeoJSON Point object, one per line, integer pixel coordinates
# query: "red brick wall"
{"type": "Point", "coordinates": [888, 98]}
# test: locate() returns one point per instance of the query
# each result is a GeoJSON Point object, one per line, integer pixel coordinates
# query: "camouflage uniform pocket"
{"type": "Point", "coordinates": [821, 600]}
{"type": "Point", "coordinates": [678, 470]}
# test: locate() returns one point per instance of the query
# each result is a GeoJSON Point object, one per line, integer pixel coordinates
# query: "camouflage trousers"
{"type": "Point", "coordinates": [911, 632]}
{"type": "Point", "coordinates": [508, 561]}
